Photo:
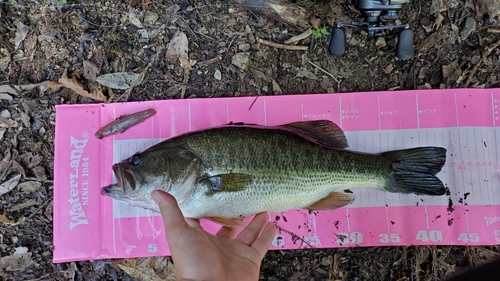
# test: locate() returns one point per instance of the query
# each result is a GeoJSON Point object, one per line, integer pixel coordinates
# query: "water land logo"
{"type": "Point", "coordinates": [491, 220]}
{"type": "Point", "coordinates": [76, 185]}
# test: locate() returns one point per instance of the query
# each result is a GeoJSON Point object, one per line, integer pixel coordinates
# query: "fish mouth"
{"type": "Point", "coordinates": [127, 180]}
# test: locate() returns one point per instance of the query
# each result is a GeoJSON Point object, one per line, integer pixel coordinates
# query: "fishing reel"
{"type": "Point", "coordinates": [379, 15]}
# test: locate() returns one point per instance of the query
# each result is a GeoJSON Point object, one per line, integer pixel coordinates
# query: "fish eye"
{"type": "Point", "coordinates": [136, 159]}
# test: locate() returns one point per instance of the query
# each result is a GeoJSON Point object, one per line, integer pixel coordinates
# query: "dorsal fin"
{"type": "Point", "coordinates": [323, 131]}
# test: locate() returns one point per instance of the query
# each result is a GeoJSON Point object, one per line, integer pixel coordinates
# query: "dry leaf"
{"type": "Point", "coordinates": [490, 7]}
{"type": "Point", "coordinates": [78, 88]}
{"type": "Point", "coordinates": [2, 132]}
{"type": "Point", "coordinates": [5, 220]}
{"type": "Point", "coordinates": [276, 87]}
{"type": "Point", "coordinates": [183, 89]}
{"type": "Point", "coordinates": [90, 70]}
{"type": "Point", "coordinates": [315, 22]}
{"type": "Point", "coordinates": [304, 72]}
{"type": "Point", "coordinates": [9, 184]}
{"type": "Point", "coordinates": [451, 72]}
{"type": "Point", "coordinates": [7, 123]}
{"type": "Point", "coordinates": [29, 160]}
{"type": "Point", "coordinates": [31, 48]}
{"type": "Point", "coordinates": [170, 15]}
{"type": "Point", "coordinates": [53, 86]}
{"type": "Point", "coordinates": [139, 274]}
{"type": "Point", "coordinates": [118, 80]}
{"type": "Point", "coordinates": [186, 64]}
{"type": "Point", "coordinates": [8, 89]}
{"type": "Point", "coordinates": [17, 261]}
{"type": "Point", "coordinates": [18, 168]}
{"type": "Point", "coordinates": [49, 210]}
{"type": "Point", "coordinates": [177, 47]}
{"type": "Point", "coordinates": [29, 186]}
{"type": "Point", "coordinates": [5, 97]}
{"type": "Point", "coordinates": [439, 21]}
{"type": "Point", "coordinates": [5, 162]}
{"type": "Point", "coordinates": [21, 32]}
{"type": "Point", "coordinates": [388, 69]}
{"type": "Point", "coordinates": [134, 19]}
{"type": "Point", "coordinates": [155, 267]}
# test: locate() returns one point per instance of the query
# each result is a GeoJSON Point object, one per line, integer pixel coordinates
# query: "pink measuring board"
{"type": "Point", "coordinates": [465, 121]}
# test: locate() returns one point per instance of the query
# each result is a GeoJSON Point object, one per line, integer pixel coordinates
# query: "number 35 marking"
{"type": "Point", "coordinates": [392, 237]}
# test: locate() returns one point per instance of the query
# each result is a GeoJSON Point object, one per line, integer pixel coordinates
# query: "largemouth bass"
{"type": "Point", "coordinates": [235, 171]}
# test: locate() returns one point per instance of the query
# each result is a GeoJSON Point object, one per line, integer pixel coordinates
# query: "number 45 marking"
{"type": "Point", "coordinates": [468, 237]}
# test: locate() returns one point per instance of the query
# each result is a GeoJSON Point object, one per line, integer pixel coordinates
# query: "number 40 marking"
{"type": "Point", "coordinates": [432, 235]}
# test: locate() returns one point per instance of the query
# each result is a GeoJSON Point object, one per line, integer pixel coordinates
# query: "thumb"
{"type": "Point", "coordinates": [172, 216]}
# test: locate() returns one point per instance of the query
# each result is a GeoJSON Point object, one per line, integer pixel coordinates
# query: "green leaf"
{"type": "Point", "coordinates": [63, 2]}
{"type": "Point", "coordinates": [324, 31]}
{"type": "Point", "coordinates": [316, 33]}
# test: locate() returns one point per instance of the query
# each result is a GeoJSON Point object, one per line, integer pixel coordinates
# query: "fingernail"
{"type": "Point", "coordinates": [155, 196]}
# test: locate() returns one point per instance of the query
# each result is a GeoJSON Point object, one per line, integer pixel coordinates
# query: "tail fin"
{"type": "Point", "coordinates": [413, 170]}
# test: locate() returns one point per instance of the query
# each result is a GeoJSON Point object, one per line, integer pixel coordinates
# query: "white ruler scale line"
{"type": "Point", "coordinates": [340, 111]}
{"type": "Point", "coordinates": [302, 109]}
{"type": "Point", "coordinates": [493, 109]}
{"type": "Point", "coordinates": [265, 113]}
{"type": "Point", "coordinates": [378, 113]}
{"type": "Point", "coordinates": [417, 111]}
{"type": "Point", "coordinates": [189, 116]}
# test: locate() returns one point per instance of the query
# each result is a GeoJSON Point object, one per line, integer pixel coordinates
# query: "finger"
{"type": "Point", "coordinates": [172, 216]}
{"type": "Point", "coordinates": [193, 223]}
{"type": "Point", "coordinates": [263, 242]}
{"type": "Point", "coordinates": [226, 232]}
{"type": "Point", "coordinates": [253, 229]}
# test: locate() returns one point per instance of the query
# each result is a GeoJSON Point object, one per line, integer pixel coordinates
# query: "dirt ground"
{"type": "Point", "coordinates": [71, 43]}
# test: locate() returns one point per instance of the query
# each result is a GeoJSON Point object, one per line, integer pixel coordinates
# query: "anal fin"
{"type": "Point", "coordinates": [231, 222]}
{"type": "Point", "coordinates": [332, 201]}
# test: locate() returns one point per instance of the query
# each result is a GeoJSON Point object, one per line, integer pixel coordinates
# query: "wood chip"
{"type": "Point", "coordinates": [23, 205]}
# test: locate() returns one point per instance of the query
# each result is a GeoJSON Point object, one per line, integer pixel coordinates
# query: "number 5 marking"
{"type": "Point", "coordinates": [497, 235]}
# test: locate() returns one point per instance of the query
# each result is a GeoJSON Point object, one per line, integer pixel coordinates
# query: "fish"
{"type": "Point", "coordinates": [228, 173]}
{"type": "Point", "coordinates": [124, 122]}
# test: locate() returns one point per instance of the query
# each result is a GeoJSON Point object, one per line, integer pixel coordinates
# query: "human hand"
{"type": "Point", "coordinates": [199, 255]}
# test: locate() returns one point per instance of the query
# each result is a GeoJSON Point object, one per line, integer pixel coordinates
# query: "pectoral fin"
{"type": "Point", "coordinates": [332, 201]}
{"type": "Point", "coordinates": [231, 222]}
{"type": "Point", "coordinates": [323, 131]}
{"type": "Point", "coordinates": [228, 182]}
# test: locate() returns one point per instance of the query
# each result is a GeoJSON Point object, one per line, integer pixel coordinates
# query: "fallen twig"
{"type": "Point", "coordinates": [493, 30]}
{"type": "Point", "coordinates": [299, 37]}
{"type": "Point", "coordinates": [326, 72]}
{"type": "Point", "coordinates": [282, 46]}
{"type": "Point", "coordinates": [487, 52]}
